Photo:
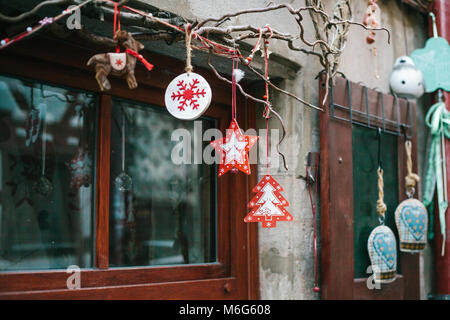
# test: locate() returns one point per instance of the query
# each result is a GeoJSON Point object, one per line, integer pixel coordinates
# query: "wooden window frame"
{"type": "Point", "coordinates": [336, 170]}
{"type": "Point", "coordinates": [233, 276]}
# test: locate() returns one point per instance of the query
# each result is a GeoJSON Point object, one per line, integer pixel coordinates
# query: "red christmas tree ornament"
{"type": "Point", "coordinates": [268, 206]}
{"type": "Point", "coordinates": [234, 149]}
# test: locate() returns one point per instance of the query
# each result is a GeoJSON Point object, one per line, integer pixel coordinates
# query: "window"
{"type": "Point", "coordinates": [170, 231]}
{"type": "Point", "coordinates": [47, 162]}
{"type": "Point", "coordinates": [166, 213]}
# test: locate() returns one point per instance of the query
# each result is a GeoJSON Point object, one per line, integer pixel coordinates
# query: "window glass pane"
{"type": "Point", "coordinates": [365, 195]}
{"type": "Point", "coordinates": [165, 213]}
{"type": "Point", "coordinates": [46, 189]}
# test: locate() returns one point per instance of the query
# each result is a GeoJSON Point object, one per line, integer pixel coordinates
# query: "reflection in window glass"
{"type": "Point", "coordinates": [47, 143]}
{"type": "Point", "coordinates": [161, 213]}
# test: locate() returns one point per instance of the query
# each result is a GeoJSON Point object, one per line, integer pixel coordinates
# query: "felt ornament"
{"type": "Point", "coordinates": [119, 64]}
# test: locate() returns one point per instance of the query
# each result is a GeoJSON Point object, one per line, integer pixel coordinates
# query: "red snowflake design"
{"type": "Point", "coordinates": [188, 92]}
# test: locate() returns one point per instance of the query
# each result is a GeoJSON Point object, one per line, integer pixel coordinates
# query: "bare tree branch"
{"type": "Point", "coordinates": [32, 11]}
{"type": "Point", "coordinates": [327, 44]}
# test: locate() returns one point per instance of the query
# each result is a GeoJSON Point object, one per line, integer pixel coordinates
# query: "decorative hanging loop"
{"type": "Point", "coordinates": [381, 206]}
{"type": "Point", "coordinates": [188, 38]}
{"type": "Point", "coordinates": [411, 178]}
{"type": "Point", "coordinates": [116, 26]}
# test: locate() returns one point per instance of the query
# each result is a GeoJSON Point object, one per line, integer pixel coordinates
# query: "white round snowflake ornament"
{"type": "Point", "coordinates": [188, 96]}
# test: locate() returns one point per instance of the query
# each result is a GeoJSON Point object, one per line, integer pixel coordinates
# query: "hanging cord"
{"type": "Point", "coordinates": [116, 27]}
{"type": "Point", "coordinates": [233, 89]}
{"type": "Point", "coordinates": [267, 110]}
{"type": "Point", "coordinates": [411, 178]}
{"type": "Point", "coordinates": [267, 143]}
{"type": "Point", "coordinates": [381, 206]}
{"type": "Point", "coordinates": [309, 181]}
{"type": "Point", "coordinates": [123, 139]}
{"type": "Point", "coordinates": [188, 39]}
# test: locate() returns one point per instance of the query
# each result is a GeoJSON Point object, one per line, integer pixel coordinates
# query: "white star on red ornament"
{"type": "Point", "coordinates": [234, 149]}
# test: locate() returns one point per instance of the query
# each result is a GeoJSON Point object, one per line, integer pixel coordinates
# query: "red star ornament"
{"type": "Point", "coordinates": [234, 149]}
{"type": "Point", "coordinates": [268, 206]}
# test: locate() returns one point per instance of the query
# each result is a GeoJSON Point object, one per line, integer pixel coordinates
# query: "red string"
{"type": "Point", "coordinates": [233, 90]}
{"type": "Point", "coordinates": [116, 22]}
{"type": "Point", "coordinates": [268, 140]}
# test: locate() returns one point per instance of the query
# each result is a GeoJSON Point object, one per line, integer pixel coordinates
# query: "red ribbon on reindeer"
{"type": "Point", "coordinates": [138, 56]}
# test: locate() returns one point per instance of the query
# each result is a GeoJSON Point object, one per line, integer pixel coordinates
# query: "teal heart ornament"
{"type": "Point", "coordinates": [382, 248]}
{"type": "Point", "coordinates": [411, 218]}
{"type": "Point", "coordinates": [434, 61]}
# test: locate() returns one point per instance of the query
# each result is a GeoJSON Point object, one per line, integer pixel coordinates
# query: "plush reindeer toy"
{"type": "Point", "coordinates": [119, 63]}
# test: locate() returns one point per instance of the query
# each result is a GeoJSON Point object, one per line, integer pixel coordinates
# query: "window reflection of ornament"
{"type": "Point", "coordinates": [123, 181]}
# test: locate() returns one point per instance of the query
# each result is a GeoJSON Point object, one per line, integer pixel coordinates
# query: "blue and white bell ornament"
{"type": "Point", "coordinates": [406, 80]}
{"type": "Point", "coordinates": [382, 248]}
{"type": "Point", "coordinates": [382, 245]}
{"type": "Point", "coordinates": [411, 219]}
{"type": "Point", "coordinates": [411, 216]}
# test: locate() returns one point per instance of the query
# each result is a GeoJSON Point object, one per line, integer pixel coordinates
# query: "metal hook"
{"type": "Point", "coordinates": [405, 135]}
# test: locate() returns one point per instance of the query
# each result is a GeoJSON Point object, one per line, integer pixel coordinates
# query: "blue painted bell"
{"type": "Point", "coordinates": [382, 245]}
{"type": "Point", "coordinates": [411, 216]}
{"type": "Point", "coordinates": [382, 248]}
{"type": "Point", "coordinates": [412, 222]}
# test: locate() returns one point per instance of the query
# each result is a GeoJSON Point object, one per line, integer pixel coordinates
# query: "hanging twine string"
{"type": "Point", "coordinates": [381, 206]}
{"type": "Point", "coordinates": [267, 110]}
{"type": "Point", "coordinates": [188, 37]}
{"type": "Point", "coordinates": [411, 178]}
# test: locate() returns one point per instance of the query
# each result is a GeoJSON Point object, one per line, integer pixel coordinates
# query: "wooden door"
{"type": "Point", "coordinates": [348, 151]}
